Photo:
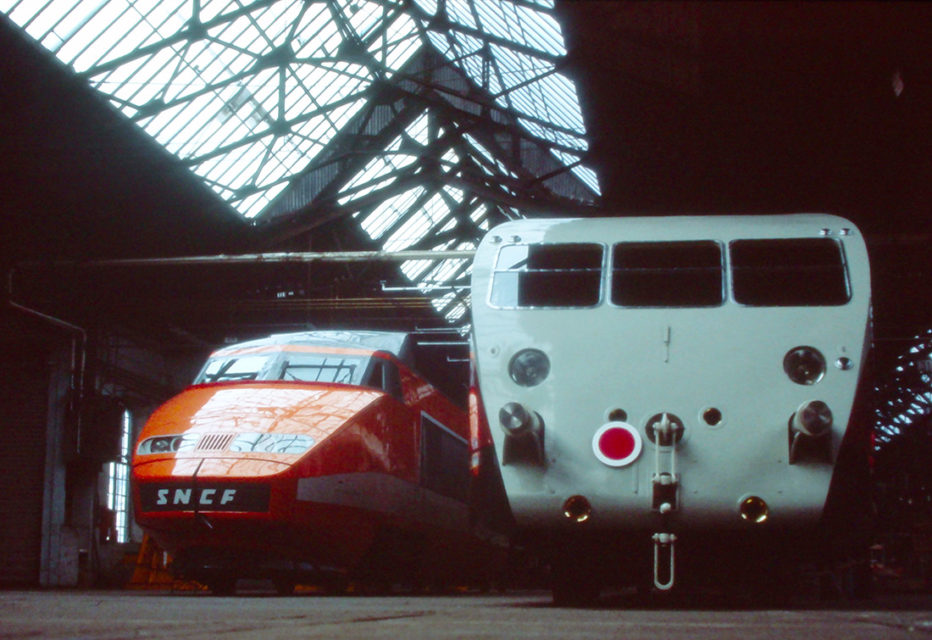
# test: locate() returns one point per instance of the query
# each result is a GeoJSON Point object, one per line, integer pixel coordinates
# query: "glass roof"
{"type": "Point", "coordinates": [257, 96]}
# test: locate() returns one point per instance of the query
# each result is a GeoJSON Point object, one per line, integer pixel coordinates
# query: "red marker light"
{"type": "Point", "coordinates": [617, 444]}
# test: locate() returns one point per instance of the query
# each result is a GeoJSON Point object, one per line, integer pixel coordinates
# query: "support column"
{"type": "Point", "coordinates": [58, 565]}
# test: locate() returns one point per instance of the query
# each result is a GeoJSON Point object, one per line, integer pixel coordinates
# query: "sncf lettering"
{"type": "Point", "coordinates": [208, 496]}
{"type": "Point", "coordinates": [216, 497]}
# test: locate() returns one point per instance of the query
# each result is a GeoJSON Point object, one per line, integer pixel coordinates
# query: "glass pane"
{"type": "Point", "coordinates": [667, 274]}
{"type": "Point", "coordinates": [226, 369]}
{"type": "Point", "coordinates": [567, 257]}
{"type": "Point", "coordinates": [548, 275]}
{"type": "Point", "coordinates": [323, 368]}
{"type": "Point", "coordinates": [789, 272]}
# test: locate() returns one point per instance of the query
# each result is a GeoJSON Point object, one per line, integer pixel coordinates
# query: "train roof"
{"type": "Point", "coordinates": [397, 343]}
{"type": "Point", "coordinates": [670, 227]}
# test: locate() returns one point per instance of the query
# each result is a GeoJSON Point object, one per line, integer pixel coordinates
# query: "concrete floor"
{"type": "Point", "coordinates": [260, 614]}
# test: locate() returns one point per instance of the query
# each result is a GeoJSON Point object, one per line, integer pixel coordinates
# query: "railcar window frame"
{"type": "Point", "coordinates": [667, 296]}
{"type": "Point", "coordinates": [506, 287]}
{"type": "Point", "coordinates": [766, 284]}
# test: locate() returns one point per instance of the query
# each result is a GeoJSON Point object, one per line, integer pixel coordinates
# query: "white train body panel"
{"type": "Point", "coordinates": [611, 363]}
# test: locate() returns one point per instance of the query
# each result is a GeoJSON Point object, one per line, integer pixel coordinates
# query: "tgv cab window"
{"type": "Point", "coordinates": [667, 274]}
{"type": "Point", "coordinates": [789, 272]}
{"type": "Point", "coordinates": [323, 367]}
{"type": "Point", "coordinates": [287, 365]}
{"type": "Point", "coordinates": [233, 368]}
{"type": "Point", "coordinates": [547, 275]}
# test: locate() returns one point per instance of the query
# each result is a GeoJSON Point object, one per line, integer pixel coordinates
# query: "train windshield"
{"type": "Point", "coordinates": [789, 272]}
{"type": "Point", "coordinates": [279, 365]}
{"type": "Point", "coordinates": [232, 368]}
{"type": "Point", "coordinates": [667, 274]}
{"type": "Point", "coordinates": [323, 367]}
{"type": "Point", "coordinates": [781, 272]}
{"type": "Point", "coordinates": [548, 276]}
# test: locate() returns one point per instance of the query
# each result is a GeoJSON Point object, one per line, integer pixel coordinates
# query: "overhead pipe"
{"type": "Point", "coordinates": [289, 257]}
{"type": "Point", "coordinates": [427, 288]}
{"type": "Point", "coordinates": [298, 257]}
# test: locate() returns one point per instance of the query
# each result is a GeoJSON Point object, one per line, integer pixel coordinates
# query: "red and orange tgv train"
{"type": "Point", "coordinates": [317, 457]}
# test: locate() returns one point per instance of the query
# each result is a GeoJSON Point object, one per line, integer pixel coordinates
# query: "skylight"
{"type": "Point", "coordinates": [257, 96]}
{"type": "Point", "coordinates": [246, 93]}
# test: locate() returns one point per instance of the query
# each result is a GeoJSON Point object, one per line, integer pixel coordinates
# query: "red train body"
{"type": "Point", "coordinates": [317, 457]}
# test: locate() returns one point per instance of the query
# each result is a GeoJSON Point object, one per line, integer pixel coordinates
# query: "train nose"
{"type": "Point", "coordinates": [212, 442]}
{"type": "Point", "coordinates": [259, 417]}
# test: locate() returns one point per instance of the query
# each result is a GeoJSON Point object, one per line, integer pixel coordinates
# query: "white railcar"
{"type": "Point", "coordinates": [670, 397]}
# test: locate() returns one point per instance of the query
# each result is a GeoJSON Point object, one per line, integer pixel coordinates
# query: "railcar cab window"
{"type": "Point", "coordinates": [789, 272]}
{"type": "Point", "coordinates": [548, 276]}
{"type": "Point", "coordinates": [667, 274]}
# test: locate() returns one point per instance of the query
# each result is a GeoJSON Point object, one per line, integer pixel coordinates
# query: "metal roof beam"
{"type": "Point", "coordinates": [194, 30]}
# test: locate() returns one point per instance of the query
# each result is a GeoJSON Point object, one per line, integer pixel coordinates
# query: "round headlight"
{"type": "Point", "coordinates": [529, 367]}
{"type": "Point", "coordinates": [754, 510]}
{"type": "Point", "coordinates": [804, 365]}
{"type": "Point", "coordinates": [161, 445]}
{"type": "Point", "coordinates": [577, 509]}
